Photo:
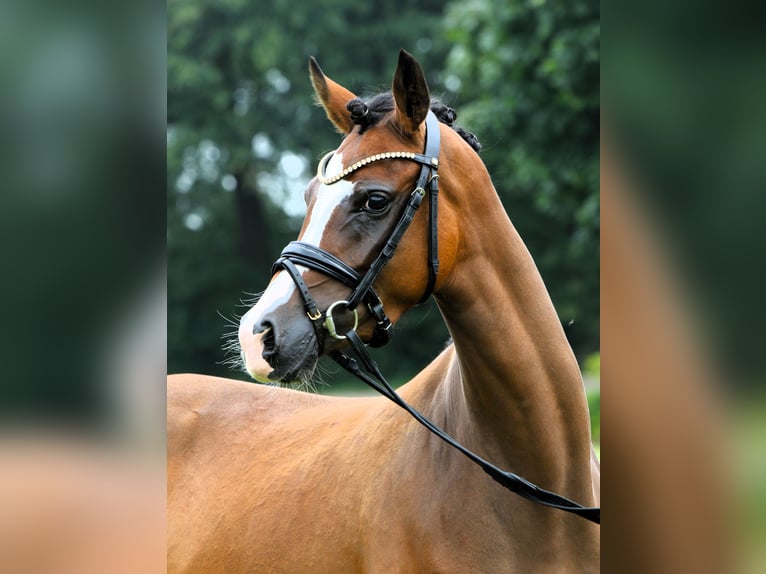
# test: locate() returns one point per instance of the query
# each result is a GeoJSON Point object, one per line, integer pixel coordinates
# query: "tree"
{"type": "Point", "coordinates": [528, 77]}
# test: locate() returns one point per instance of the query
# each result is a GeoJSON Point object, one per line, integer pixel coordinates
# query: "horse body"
{"type": "Point", "coordinates": [274, 480]}
{"type": "Point", "coordinates": [266, 479]}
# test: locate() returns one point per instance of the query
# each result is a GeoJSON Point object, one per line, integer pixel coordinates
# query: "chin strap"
{"type": "Point", "coordinates": [513, 482]}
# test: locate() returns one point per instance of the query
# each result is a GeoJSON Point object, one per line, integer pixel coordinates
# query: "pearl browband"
{"type": "Point", "coordinates": [363, 162]}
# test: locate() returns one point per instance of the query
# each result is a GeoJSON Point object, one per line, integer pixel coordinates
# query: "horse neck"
{"type": "Point", "coordinates": [514, 376]}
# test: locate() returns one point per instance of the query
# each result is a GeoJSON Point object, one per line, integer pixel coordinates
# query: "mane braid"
{"type": "Point", "coordinates": [368, 114]}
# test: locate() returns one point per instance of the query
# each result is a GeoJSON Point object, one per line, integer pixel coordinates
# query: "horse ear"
{"type": "Point", "coordinates": [411, 94]}
{"type": "Point", "coordinates": [333, 98]}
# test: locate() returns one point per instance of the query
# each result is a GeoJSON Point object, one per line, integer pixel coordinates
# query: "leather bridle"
{"type": "Point", "coordinates": [317, 259]}
{"type": "Point", "coordinates": [300, 253]}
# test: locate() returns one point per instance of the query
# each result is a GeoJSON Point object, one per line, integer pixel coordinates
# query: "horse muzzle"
{"type": "Point", "coordinates": [278, 352]}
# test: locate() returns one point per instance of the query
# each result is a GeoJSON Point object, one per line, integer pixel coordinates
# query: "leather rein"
{"type": "Point", "coordinates": [310, 256]}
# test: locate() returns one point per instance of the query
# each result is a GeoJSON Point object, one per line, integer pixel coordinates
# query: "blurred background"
{"type": "Point", "coordinates": [244, 137]}
{"type": "Point", "coordinates": [84, 195]}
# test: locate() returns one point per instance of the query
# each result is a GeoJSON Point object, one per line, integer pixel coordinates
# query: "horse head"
{"type": "Point", "coordinates": [362, 193]}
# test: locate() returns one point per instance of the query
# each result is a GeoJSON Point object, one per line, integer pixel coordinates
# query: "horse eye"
{"type": "Point", "coordinates": [376, 203]}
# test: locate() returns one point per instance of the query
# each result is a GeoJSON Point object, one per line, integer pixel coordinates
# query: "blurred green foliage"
{"type": "Point", "coordinates": [529, 87]}
{"type": "Point", "coordinates": [81, 227]}
{"type": "Point", "coordinates": [748, 438]}
{"type": "Point", "coordinates": [592, 365]}
{"type": "Point", "coordinates": [685, 112]}
{"type": "Point", "coordinates": [244, 136]}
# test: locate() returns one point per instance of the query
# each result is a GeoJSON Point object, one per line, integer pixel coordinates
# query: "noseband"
{"type": "Point", "coordinates": [307, 255]}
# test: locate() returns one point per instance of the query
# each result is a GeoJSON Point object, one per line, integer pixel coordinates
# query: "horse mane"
{"type": "Point", "coordinates": [367, 114]}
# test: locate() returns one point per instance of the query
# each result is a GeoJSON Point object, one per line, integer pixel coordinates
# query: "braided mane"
{"type": "Point", "coordinates": [367, 114]}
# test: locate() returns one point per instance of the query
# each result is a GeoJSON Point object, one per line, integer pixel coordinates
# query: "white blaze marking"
{"type": "Point", "coordinates": [328, 198]}
{"type": "Point", "coordinates": [251, 343]}
{"type": "Point", "coordinates": [277, 293]}
{"type": "Point", "coordinates": [281, 288]}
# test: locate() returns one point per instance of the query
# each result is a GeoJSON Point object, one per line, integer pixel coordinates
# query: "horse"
{"type": "Point", "coordinates": [265, 478]}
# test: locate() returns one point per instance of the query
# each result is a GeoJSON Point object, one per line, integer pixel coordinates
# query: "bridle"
{"type": "Point", "coordinates": [300, 253]}
{"type": "Point", "coordinates": [317, 259]}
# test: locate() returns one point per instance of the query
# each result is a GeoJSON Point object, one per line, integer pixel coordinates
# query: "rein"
{"type": "Point", "coordinates": [307, 255]}
{"type": "Point", "coordinates": [509, 480]}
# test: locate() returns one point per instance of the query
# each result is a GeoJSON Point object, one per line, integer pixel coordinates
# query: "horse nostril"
{"type": "Point", "coordinates": [266, 330]}
{"type": "Point", "coordinates": [269, 344]}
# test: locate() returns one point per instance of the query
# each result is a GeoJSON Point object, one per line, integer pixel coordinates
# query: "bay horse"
{"type": "Point", "coordinates": [272, 479]}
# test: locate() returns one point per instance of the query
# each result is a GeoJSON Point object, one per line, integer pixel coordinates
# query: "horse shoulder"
{"type": "Point", "coordinates": [244, 461]}
{"type": "Point", "coordinates": [213, 413]}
